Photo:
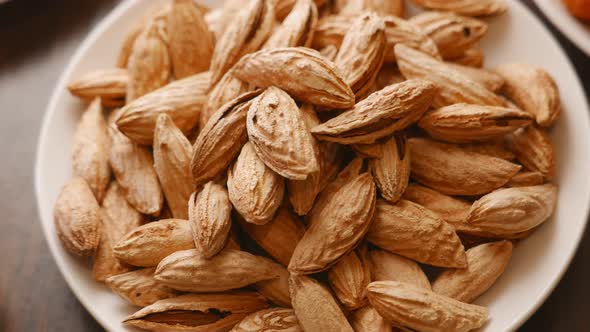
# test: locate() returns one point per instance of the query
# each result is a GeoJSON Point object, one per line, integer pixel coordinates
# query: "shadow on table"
{"type": "Point", "coordinates": [28, 28]}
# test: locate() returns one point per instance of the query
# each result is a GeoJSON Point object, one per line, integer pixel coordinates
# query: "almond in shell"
{"type": "Point", "coordinates": [77, 219]}
{"type": "Point", "coordinates": [315, 307]}
{"type": "Point", "coordinates": [227, 89]}
{"type": "Point", "coordinates": [466, 7]}
{"type": "Point", "coordinates": [139, 287]}
{"type": "Point", "coordinates": [455, 171]}
{"type": "Point", "coordinates": [149, 62]}
{"type": "Point", "coordinates": [453, 210]}
{"type": "Point", "coordinates": [337, 228]}
{"type": "Point", "coordinates": [280, 137]}
{"type": "Point", "coordinates": [182, 100]}
{"type": "Point", "coordinates": [148, 244]}
{"type": "Point", "coordinates": [198, 312]}
{"type": "Point", "coordinates": [532, 89]}
{"type": "Point", "coordinates": [187, 270]}
{"type": "Point", "coordinates": [462, 123]}
{"type": "Point", "coordinates": [110, 85]}
{"type": "Point", "coordinates": [298, 27]}
{"type": "Point", "coordinates": [255, 190]}
{"type": "Point", "coordinates": [389, 266]}
{"type": "Point", "coordinates": [513, 210]}
{"type": "Point", "coordinates": [453, 34]}
{"type": "Point", "coordinates": [133, 168]}
{"type": "Point", "coordinates": [278, 237]}
{"type": "Point", "coordinates": [455, 87]}
{"type": "Point", "coordinates": [408, 306]}
{"type": "Point", "coordinates": [348, 279]}
{"type": "Point", "coordinates": [380, 114]}
{"type": "Point", "coordinates": [392, 170]}
{"type": "Point", "coordinates": [190, 41]}
{"type": "Point", "coordinates": [274, 319]}
{"type": "Point", "coordinates": [245, 34]}
{"type": "Point", "coordinates": [415, 232]}
{"type": "Point", "coordinates": [276, 290]}
{"type": "Point", "coordinates": [90, 156]}
{"type": "Point", "coordinates": [301, 72]}
{"type": "Point", "coordinates": [485, 264]}
{"type": "Point", "coordinates": [362, 52]}
{"type": "Point", "coordinates": [210, 218]}
{"type": "Point", "coordinates": [368, 319]}
{"type": "Point", "coordinates": [533, 148]}
{"type": "Point", "coordinates": [172, 157]}
{"type": "Point", "coordinates": [221, 139]}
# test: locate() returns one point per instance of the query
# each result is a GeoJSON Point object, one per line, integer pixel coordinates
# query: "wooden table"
{"type": "Point", "coordinates": [37, 39]}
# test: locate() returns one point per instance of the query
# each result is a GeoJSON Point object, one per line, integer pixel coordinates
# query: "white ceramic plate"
{"type": "Point", "coordinates": [577, 31]}
{"type": "Point", "coordinates": [538, 262]}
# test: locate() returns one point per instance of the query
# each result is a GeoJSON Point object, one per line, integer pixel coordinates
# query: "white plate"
{"type": "Point", "coordinates": [538, 262]}
{"type": "Point", "coordinates": [577, 31]}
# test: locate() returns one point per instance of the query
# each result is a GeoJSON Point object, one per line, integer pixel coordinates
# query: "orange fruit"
{"type": "Point", "coordinates": [579, 8]}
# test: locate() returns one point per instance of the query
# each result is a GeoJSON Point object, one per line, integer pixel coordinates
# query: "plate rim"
{"type": "Point", "coordinates": [571, 32]}
{"type": "Point", "coordinates": [124, 6]}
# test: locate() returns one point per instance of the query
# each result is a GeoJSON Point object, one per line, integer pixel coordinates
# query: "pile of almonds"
{"type": "Point", "coordinates": [293, 165]}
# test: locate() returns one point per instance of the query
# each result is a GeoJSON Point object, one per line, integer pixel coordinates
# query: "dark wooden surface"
{"type": "Point", "coordinates": [37, 39]}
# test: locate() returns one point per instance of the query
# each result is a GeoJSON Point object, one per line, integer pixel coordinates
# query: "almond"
{"type": "Point", "coordinates": [532, 147]}
{"type": "Point", "coordinates": [298, 27]}
{"type": "Point", "coordinates": [489, 79]}
{"type": "Point", "coordinates": [274, 319]}
{"type": "Point", "coordinates": [453, 210]}
{"type": "Point", "coordinates": [76, 217]}
{"type": "Point", "coordinates": [367, 319]}
{"type": "Point", "coordinates": [182, 100]}
{"type": "Point", "coordinates": [315, 307]}
{"type": "Point", "coordinates": [139, 287]}
{"type": "Point", "coordinates": [362, 52]}
{"type": "Point", "coordinates": [455, 171]}
{"type": "Point", "coordinates": [301, 72]}
{"type": "Point", "coordinates": [221, 139]}
{"type": "Point", "coordinates": [210, 218]}
{"type": "Point", "coordinates": [280, 136]}
{"type": "Point", "coordinates": [466, 123]}
{"type": "Point", "coordinates": [466, 7]}
{"type": "Point", "coordinates": [382, 7]}
{"type": "Point", "coordinates": [110, 85]}
{"type": "Point", "coordinates": [172, 157]}
{"type": "Point", "coordinates": [149, 62]}
{"type": "Point", "coordinates": [255, 190]}
{"type": "Point", "coordinates": [276, 290]}
{"type": "Point", "coordinates": [485, 264]}
{"type": "Point", "coordinates": [453, 34]}
{"type": "Point", "coordinates": [455, 87]}
{"type": "Point", "coordinates": [380, 114]}
{"type": "Point", "coordinates": [349, 278]}
{"type": "Point", "coordinates": [532, 89]}
{"type": "Point", "coordinates": [187, 270]}
{"type": "Point", "coordinates": [337, 228]}
{"type": "Point", "coordinates": [244, 34]}
{"type": "Point", "coordinates": [525, 179]}
{"type": "Point", "coordinates": [90, 156]}
{"type": "Point", "coordinates": [190, 41]}
{"type": "Point", "coordinates": [413, 231]}
{"type": "Point", "coordinates": [227, 89]}
{"type": "Point", "coordinates": [423, 310]}
{"type": "Point", "coordinates": [513, 210]}
{"type": "Point", "coordinates": [473, 57]}
{"type": "Point", "coordinates": [389, 266]}
{"type": "Point", "coordinates": [278, 237]}
{"type": "Point", "coordinates": [392, 171]}
{"type": "Point", "coordinates": [198, 312]}
{"type": "Point", "coordinates": [147, 245]}
{"type": "Point", "coordinates": [133, 168]}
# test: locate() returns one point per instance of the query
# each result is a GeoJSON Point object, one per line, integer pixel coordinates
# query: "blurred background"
{"type": "Point", "coordinates": [37, 39]}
